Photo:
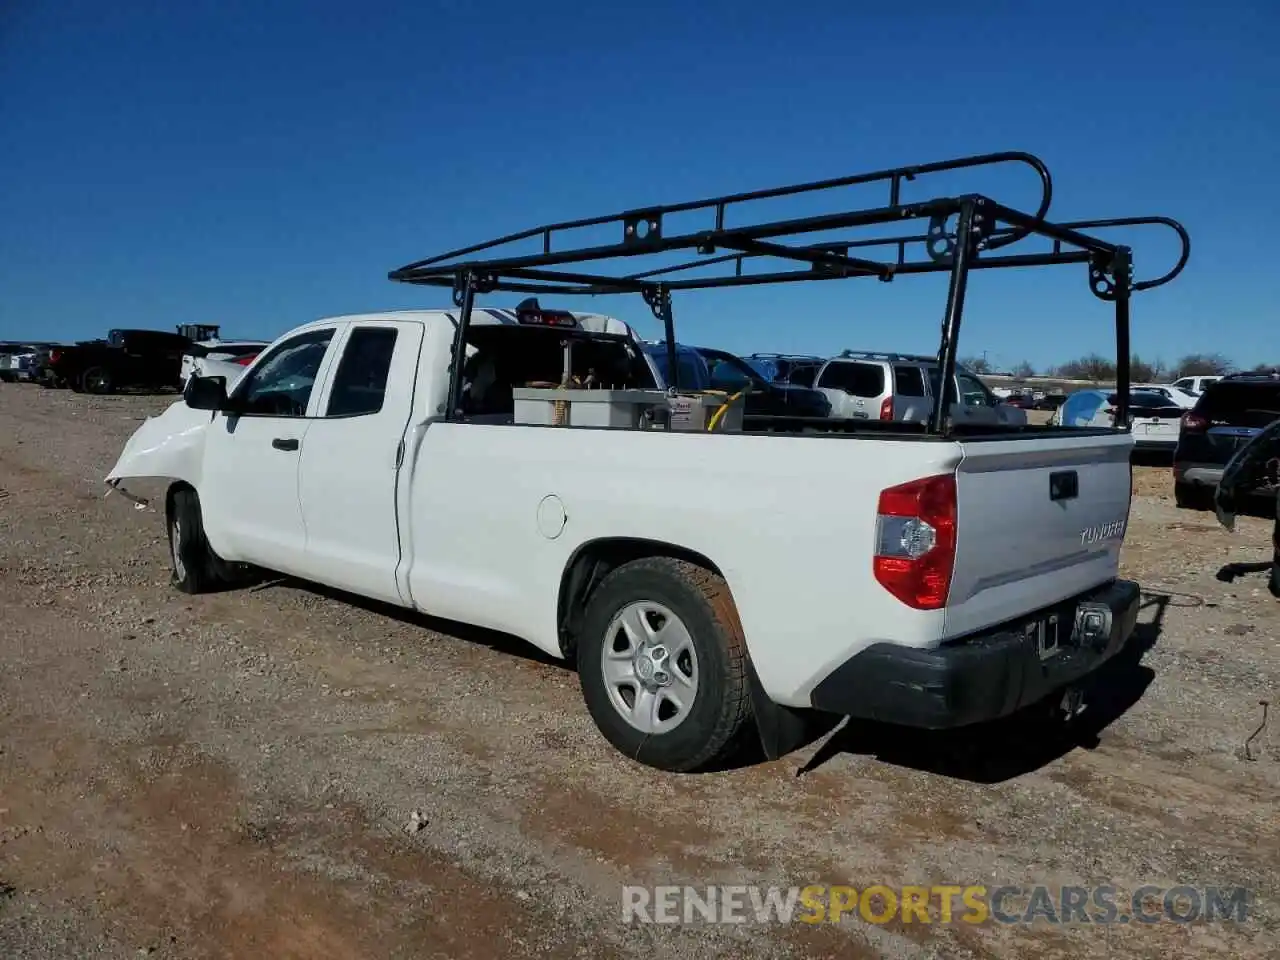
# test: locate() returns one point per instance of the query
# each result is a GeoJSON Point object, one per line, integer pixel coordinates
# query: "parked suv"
{"type": "Point", "coordinates": [1230, 412]}
{"type": "Point", "coordinates": [796, 369]}
{"type": "Point", "coordinates": [901, 386]}
{"type": "Point", "coordinates": [704, 368]}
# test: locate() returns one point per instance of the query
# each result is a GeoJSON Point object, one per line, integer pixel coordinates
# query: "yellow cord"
{"type": "Point", "coordinates": [715, 417]}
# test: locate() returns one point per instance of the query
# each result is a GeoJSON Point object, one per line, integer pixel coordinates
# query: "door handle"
{"type": "Point", "coordinates": [284, 444]}
{"type": "Point", "coordinates": [1064, 485]}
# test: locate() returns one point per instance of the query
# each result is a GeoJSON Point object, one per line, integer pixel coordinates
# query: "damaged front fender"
{"type": "Point", "coordinates": [168, 446]}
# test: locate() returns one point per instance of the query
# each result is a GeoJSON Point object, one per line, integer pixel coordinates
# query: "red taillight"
{"type": "Point", "coordinates": [916, 541]}
{"type": "Point", "coordinates": [886, 408]}
{"type": "Point", "coordinates": [245, 361]}
{"type": "Point", "coordinates": [1192, 422]}
{"type": "Point", "coordinates": [55, 356]}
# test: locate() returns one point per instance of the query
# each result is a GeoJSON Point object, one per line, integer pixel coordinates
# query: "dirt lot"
{"type": "Point", "coordinates": [231, 776]}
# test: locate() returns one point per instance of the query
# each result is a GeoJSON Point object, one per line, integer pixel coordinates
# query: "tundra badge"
{"type": "Point", "coordinates": [1103, 531]}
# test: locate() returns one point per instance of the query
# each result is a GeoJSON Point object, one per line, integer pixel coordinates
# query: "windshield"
{"type": "Point", "coordinates": [727, 372]}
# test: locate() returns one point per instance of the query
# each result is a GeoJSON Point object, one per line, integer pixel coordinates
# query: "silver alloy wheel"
{"type": "Point", "coordinates": [650, 667]}
{"type": "Point", "coordinates": [96, 382]}
{"type": "Point", "coordinates": [175, 547]}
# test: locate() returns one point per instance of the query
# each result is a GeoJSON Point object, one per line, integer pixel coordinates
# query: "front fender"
{"type": "Point", "coordinates": [168, 446]}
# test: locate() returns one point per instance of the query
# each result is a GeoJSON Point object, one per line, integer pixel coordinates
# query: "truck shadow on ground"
{"type": "Point", "coordinates": [986, 753]}
{"type": "Point", "coordinates": [1023, 742]}
{"type": "Point", "coordinates": [495, 640]}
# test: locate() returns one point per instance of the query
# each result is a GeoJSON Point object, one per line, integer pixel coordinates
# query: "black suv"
{"type": "Point", "coordinates": [765, 399]}
{"type": "Point", "coordinates": [1227, 416]}
{"type": "Point", "coordinates": [795, 369]}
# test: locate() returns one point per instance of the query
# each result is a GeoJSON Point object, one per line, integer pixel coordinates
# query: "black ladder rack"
{"type": "Point", "coordinates": [984, 224]}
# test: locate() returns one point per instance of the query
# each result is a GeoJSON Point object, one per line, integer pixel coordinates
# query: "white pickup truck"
{"type": "Point", "coordinates": [707, 584]}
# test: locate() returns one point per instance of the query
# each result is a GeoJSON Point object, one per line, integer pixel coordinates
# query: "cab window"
{"type": "Point", "coordinates": [281, 384]}
{"type": "Point", "coordinates": [360, 384]}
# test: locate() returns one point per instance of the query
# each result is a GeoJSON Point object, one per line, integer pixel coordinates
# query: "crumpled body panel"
{"type": "Point", "coordinates": [170, 445]}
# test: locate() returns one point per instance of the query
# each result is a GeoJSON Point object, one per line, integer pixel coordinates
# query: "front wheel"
{"type": "Point", "coordinates": [196, 568]}
{"type": "Point", "coordinates": [663, 664]}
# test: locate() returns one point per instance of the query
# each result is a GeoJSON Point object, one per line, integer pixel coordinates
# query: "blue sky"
{"type": "Point", "coordinates": [262, 164]}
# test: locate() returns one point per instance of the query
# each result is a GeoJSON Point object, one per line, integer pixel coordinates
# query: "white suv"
{"type": "Point", "coordinates": [901, 386]}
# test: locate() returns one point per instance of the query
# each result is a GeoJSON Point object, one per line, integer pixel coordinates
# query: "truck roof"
{"type": "Point", "coordinates": [484, 316]}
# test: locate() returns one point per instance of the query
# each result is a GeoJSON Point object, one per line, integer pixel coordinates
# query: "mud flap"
{"type": "Point", "coordinates": [781, 728]}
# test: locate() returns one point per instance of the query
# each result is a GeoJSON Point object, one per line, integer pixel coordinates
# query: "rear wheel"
{"type": "Point", "coordinates": [97, 380]}
{"type": "Point", "coordinates": [1192, 496]}
{"type": "Point", "coordinates": [196, 568]}
{"type": "Point", "coordinates": [662, 663]}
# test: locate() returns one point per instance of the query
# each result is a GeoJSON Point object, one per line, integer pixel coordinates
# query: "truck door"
{"type": "Point", "coordinates": [976, 404]}
{"type": "Point", "coordinates": [350, 467]}
{"type": "Point", "coordinates": [249, 485]}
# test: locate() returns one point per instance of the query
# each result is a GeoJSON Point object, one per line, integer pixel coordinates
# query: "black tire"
{"type": "Point", "coordinates": [712, 729]}
{"type": "Point", "coordinates": [1192, 496]}
{"type": "Point", "coordinates": [97, 380]}
{"type": "Point", "coordinates": [195, 567]}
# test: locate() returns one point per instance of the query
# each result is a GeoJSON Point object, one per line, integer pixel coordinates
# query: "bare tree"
{"type": "Point", "coordinates": [1093, 367]}
{"type": "Point", "coordinates": [1024, 370]}
{"type": "Point", "coordinates": [977, 365]}
{"type": "Point", "coordinates": [1202, 365]}
{"type": "Point", "coordinates": [1142, 372]}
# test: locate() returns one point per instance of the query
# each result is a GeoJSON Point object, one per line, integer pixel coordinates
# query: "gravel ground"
{"type": "Point", "coordinates": [235, 775]}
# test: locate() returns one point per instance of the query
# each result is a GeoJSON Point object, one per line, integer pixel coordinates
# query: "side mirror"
{"type": "Point", "coordinates": [206, 393]}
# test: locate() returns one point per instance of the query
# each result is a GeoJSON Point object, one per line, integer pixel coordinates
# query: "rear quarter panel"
{"type": "Point", "coordinates": [790, 521]}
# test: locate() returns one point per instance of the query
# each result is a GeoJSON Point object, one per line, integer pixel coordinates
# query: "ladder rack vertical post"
{"type": "Point", "coordinates": [466, 304]}
{"type": "Point", "coordinates": [951, 319]}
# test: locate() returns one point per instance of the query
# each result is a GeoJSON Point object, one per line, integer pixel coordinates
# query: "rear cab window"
{"type": "Point", "coordinates": [908, 381]}
{"type": "Point", "coordinates": [360, 384]}
{"type": "Point", "coordinates": [853, 377]}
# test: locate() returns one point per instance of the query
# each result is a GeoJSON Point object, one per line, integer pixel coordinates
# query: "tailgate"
{"type": "Point", "coordinates": [1157, 425]}
{"type": "Point", "coordinates": [1037, 521]}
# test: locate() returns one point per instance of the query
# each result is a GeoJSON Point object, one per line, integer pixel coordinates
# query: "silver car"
{"type": "Point", "coordinates": [901, 386]}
